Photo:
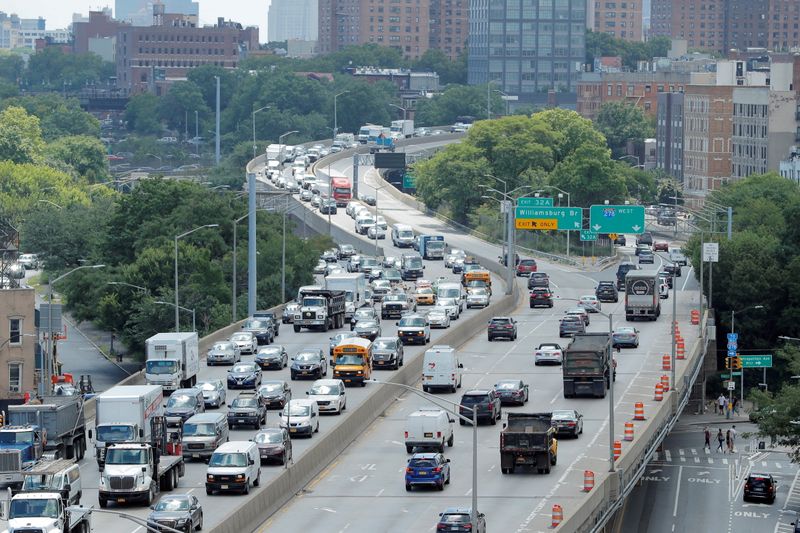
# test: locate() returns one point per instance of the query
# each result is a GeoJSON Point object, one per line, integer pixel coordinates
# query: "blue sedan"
{"type": "Point", "coordinates": [244, 376]}
{"type": "Point", "coordinates": [625, 336]}
{"type": "Point", "coordinates": [428, 469]}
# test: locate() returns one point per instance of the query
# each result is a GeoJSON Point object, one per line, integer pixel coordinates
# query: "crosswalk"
{"type": "Point", "coordinates": [788, 513]}
{"type": "Point", "coordinates": [702, 456]}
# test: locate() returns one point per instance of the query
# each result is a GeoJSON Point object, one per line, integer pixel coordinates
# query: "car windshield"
{"type": "Point", "coordinates": [437, 313]}
{"type": "Point", "coordinates": [198, 430]}
{"type": "Point", "coordinates": [508, 385]}
{"type": "Point", "coordinates": [228, 459]}
{"type": "Point", "coordinates": [422, 463]}
{"type": "Point", "coordinates": [269, 437]}
{"type": "Point", "coordinates": [349, 360]}
{"type": "Point", "coordinates": [245, 402]}
{"type": "Point", "coordinates": [181, 400]}
{"type": "Point", "coordinates": [172, 504]}
{"type": "Point", "coordinates": [414, 322]}
{"type": "Point", "coordinates": [324, 389]}
{"type": "Point", "coordinates": [383, 345]}
{"type": "Point", "coordinates": [116, 433]}
{"type": "Point", "coordinates": [271, 387]}
{"type": "Point", "coordinates": [225, 348]}
{"type": "Point", "coordinates": [364, 313]}
{"type": "Point", "coordinates": [455, 518]}
{"type": "Point", "coordinates": [313, 302]}
{"type": "Point", "coordinates": [258, 324]}
{"type": "Point", "coordinates": [395, 298]}
{"type": "Point", "coordinates": [241, 337]}
{"type": "Point", "coordinates": [297, 410]}
{"type": "Point", "coordinates": [563, 415]}
{"type": "Point", "coordinates": [425, 290]}
{"type": "Point", "coordinates": [624, 331]}
{"type": "Point", "coordinates": [414, 262]}
{"type": "Point", "coordinates": [501, 321]}
{"type": "Point", "coordinates": [156, 366]}
{"type": "Point", "coordinates": [473, 398]}
{"type": "Point", "coordinates": [242, 368]}
{"type": "Point", "coordinates": [405, 234]}
{"type": "Point", "coordinates": [306, 357]}
{"type": "Point", "coordinates": [272, 350]}
{"type": "Point", "coordinates": [479, 292]}
{"type": "Point", "coordinates": [367, 323]}
{"type": "Point", "coordinates": [38, 508]}
{"type": "Point", "coordinates": [117, 456]}
{"type": "Point", "coordinates": [449, 293]}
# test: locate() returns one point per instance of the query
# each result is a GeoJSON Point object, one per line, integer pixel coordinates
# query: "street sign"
{"type": "Point", "coordinates": [732, 353]}
{"type": "Point", "coordinates": [567, 218]}
{"type": "Point", "coordinates": [409, 181]}
{"type": "Point", "coordinates": [617, 218]}
{"type": "Point", "coordinates": [711, 254]}
{"type": "Point", "coordinates": [612, 236]}
{"type": "Point", "coordinates": [588, 235]}
{"type": "Point", "coordinates": [536, 223]}
{"type": "Point", "coordinates": [728, 376]}
{"type": "Point", "coordinates": [733, 345]}
{"type": "Point", "coordinates": [731, 385]}
{"type": "Point", "coordinates": [733, 337]}
{"type": "Point", "coordinates": [505, 206]}
{"type": "Point", "coordinates": [757, 361]}
{"type": "Point", "coordinates": [535, 201]}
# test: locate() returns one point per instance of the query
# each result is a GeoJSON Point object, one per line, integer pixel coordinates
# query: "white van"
{"type": "Point", "coordinates": [452, 290]}
{"type": "Point", "coordinates": [56, 475]}
{"type": "Point", "coordinates": [402, 236]}
{"type": "Point", "coordinates": [441, 369]}
{"type": "Point", "coordinates": [676, 256]}
{"type": "Point", "coordinates": [233, 467]}
{"type": "Point", "coordinates": [301, 417]}
{"type": "Point", "coordinates": [428, 428]}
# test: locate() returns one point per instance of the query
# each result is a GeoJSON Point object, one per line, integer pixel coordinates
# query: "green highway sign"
{"type": "Point", "coordinates": [409, 181]}
{"type": "Point", "coordinates": [529, 201]}
{"type": "Point", "coordinates": [588, 235]}
{"type": "Point", "coordinates": [728, 376]}
{"type": "Point", "coordinates": [616, 218]}
{"type": "Point", "coordinates": [756, 361]}
{"type": "Point", "coordinates": [568, 218]}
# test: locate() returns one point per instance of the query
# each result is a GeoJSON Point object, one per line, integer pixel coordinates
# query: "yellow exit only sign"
{"type": "Point", "coordinates": [537, 223]}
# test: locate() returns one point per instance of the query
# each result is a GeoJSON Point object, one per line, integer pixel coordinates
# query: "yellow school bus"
{"type": "Point", "coordinates": [352, 361]}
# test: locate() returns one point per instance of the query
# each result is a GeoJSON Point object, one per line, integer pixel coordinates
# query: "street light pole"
{"type": "Point", "coordinates": [611, 392]}
{"type": "Point", "coordinates": [177, 314]}
{"type": "Point", "coordinates": [254, 127]}
{"type": "Point", "coordinates": [733, 330]}
{"type": "Point", "coordinates": [178, 307]}
{"type": "Point", "coordinates": [335, 114]}
{"type": "Point", "coordinates": [233, 300]}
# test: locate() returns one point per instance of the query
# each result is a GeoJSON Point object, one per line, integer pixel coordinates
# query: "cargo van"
{"type": "Point", "coordinates": [203, 433]}
{"type": "Point", "coordinates": [234, 466]}
{"type": "Point", "coordinates": [57, 475]}
{"type": "Point", "coordinates": [402, 236]}
{"type": "Point", "coordinates": [428, 428]}
{"type": "Point", "coordinates": [441, 369]}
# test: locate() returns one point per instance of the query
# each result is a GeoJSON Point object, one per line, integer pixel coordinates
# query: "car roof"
{"type": "Point", "coordinates": [327, 382]}
{"type": "Point", "coordinates": [426, 455]}
{"type": "Point", "coordinates": [476, 392]}
{"type": "Point", "coordinates": [235, 446]}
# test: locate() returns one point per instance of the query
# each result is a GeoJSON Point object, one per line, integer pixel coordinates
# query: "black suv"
{"type": "Point", "coordinates": [247, 409]}
{"type": "Point", "coordinates": [645, 238]}
{"type": "Point", "coordinates": [760, 486]}
{"type": "Point", "coordinates": [541, 297]}
{"type": "Point", "coordinates": [502, 326]}
{"type": "Point", "coordinates": [486, 402]}
{"type": "Point", "coordinates": [673, 269]}
{"type": "Point", "coordinates": [622, 270]}
{"type": "Point", "coordinates": [607, 292]}
{"type": "Point", "coordinates": [538, 279]}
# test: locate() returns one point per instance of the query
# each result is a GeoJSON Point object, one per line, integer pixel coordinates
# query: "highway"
{"type": "Point", "coordinates": [369, 475]}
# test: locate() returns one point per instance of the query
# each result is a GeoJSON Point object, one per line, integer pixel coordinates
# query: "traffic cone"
{"type": "Point", "coordinates": [629, 431]}
{"type": "Point", "coordinates": [617, 449]}
{"type": "Point", "coordinates": [659, 392]}
{"type": "Point", "coordinates": [666, 362]}
{"type": "Point", "coordinates": [665, 382]}
{"type": "Point", "coordinates": [588, 480]}
{"type": "Point", "coordinates": [558, 515]}
{"type": "Point", "coordinates": [638, 411]}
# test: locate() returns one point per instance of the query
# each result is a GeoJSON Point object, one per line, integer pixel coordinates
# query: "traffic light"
{"type": "Point", "coordinates": [729, 363]}
{"type": "Point", "coordinates": [737, 363]}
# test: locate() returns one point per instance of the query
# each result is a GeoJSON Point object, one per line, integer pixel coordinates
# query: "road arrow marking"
{"type": "Point", "coordinates": [656, 471]}
{"type": "Point", "coordinates": [703, 473]}
{"type": "Point", "coordinates": [637, 227]}
{"type": "Point", "coordinates": [597, 227]}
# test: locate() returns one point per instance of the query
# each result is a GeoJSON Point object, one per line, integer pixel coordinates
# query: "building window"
{"type": "Point", "coordinates": [14, 377]}
{"type": "Point", "coordinates": [15, 331]}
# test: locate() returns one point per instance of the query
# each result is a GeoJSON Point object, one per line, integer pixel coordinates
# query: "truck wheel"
{"type": "Point", "coordinates": [257, 482]}
{"type": "Point", "coordinates": [554, 460]}
{"type": "Point", "coordinates": [441, 447]}
{"type": "Point", "coordinates": [424, 388]}
{"type": "Point", "coordinates": [150, 497]}
{"type": "Point", "coordinates": [450, 441]}
{"type": "Point", "coordinates": [246, 489]}
{"type": "Point", "coordinates": [209, 492]}
{"type": "Point", "coordinates": [409, 449]}
{"type": "Point", "coordinates": [297, 329]}
{"type": "Point", "coordinates": [547, 469]}
{"type": "Point", "coordinates": [103, 502]}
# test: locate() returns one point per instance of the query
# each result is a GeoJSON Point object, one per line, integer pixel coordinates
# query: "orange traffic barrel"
{"type": "Point", "coordinates": [680, 353]}
{"type": "Point", "coordinates": [665, 382]}
{"type": "Point", "coordinates": [629, 431]}
{"type": "Point", "coordinates": [558, 515]}
{"type": "Point", "coordinates": [617, 449]}
{"type": "Point", "coordinates": [659, 392]}
{"type": "Point", "coordinates": [666, 362]}
{"type": "Point", "coordinates": [695, 317]}
{"type": "Point", "coordinates": [588, 480]}
{"type": "Point", "coordinates": [638, 411]}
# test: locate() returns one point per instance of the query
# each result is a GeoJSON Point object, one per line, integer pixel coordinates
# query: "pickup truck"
{"type": "Point", "coordinates": [40, 512]}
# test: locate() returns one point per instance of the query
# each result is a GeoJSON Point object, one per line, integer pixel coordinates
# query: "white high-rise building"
{"type": "Point", "coordinates": [292, 20]}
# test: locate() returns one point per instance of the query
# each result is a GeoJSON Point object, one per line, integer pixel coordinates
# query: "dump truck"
{"type": "Point", "coordinates": [63, 420]}
{"type": "Point", "coordinates": [528, 439]}
{"type": "Point", "coordinates": [322, 309]}
{"type": "Point", "coordinates": [587, 365]}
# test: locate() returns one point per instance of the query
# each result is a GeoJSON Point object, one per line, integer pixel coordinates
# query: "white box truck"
{"type": "Point", "coordinates": [172, 360]}
{"type": "Point", "coordinates": [441, 369]}
{"type": "Point", "coordinates": [123, 414]}
{"type": "Point", "coordinates": [402, 129]}
{"type": "Point", "coordinates": [276, 152]}
{"type": "Point", "coordinates": [355, 287]}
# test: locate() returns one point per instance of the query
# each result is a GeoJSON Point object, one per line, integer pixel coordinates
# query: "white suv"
{"type": "Point", "coordinates": [329, 394]}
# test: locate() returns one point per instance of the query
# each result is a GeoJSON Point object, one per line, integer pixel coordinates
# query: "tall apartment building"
{"type": "Point", "coordinates": [293, 20]}
{"type": "Point", "coordinates": [669, 134]}
{"type": "Point", "coordinates": [16, 32]}
{"type": "Point", "coordinates": [622, 19]}
{"type": "Point", "coordinates": [527, 48]}
{"type": "Point", "coordinates": [411, 27]}
{"type": "Point", "coordinates": [140, 12]}
{"type": "Point", "coordinates": [722, 25]}
{"type": "Point", "coordinates": [152, 58]}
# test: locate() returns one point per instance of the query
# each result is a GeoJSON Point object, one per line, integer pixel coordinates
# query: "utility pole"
{"type": "Point", "coordinates": [216, 151]}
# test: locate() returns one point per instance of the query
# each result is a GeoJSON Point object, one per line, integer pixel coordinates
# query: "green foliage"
{"type": "Point", "coordinates": [85, 155]}
{"type": "Point", "coordinates": [590, 176]}
{"type": "Point", "coordinates": [449, 71]}
{"type": "Point", "coordinates": [180, 104]}
{"type": "Point", "coordinates": [20, 136]}
{"type": "Point", "coordinates": [602, 44]}
{"type": "Point", "coordinates": [142, 115]}
{"type": "Point", "coordinates": [455, 101]}
{"type": "Point", "coordinates": [621, 122]}
{"type": "Point", "coordinates": [11, 67]}
{"type": "Point", "coordinates": [57, 116]}
{"type": "Point", "coordinates": [204, 78]}
{"type": "Point", "coordinates": [779, 410]}
{"type": "Point", "coordinates": [52, 69]}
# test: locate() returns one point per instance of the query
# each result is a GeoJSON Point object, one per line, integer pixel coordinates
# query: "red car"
{"type": "Point", "coordinates": [526, 266]}
{"type": "Point", "coordinates": [661, 247]}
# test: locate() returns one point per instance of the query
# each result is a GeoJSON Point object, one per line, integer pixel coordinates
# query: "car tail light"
{"type": "Point", "coordinates": [406, 434]}
{"type": "Point", "coordinates": [452, 376]}
{"type": "Point", "coordinates": [502, 440]}
{"type": "Point", "coordinates": [509, 326]}
{"type": "Point", "coordinates": [468, 527]}
{"type": "Point", "coordinates": [438, 469]}
{"type": "Point", "coordinates": [571, 424]}
{"type": "Point", "coordinates": [747, 486]}
{"type": "Point", "coordinates": [409, 470]}
{"type": "Point", "coordinates": [438, 434]}
{"type": "Point", "coordinates": [442, 527]}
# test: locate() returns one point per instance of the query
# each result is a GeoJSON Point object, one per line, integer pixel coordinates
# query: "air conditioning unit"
{"type": "Point", "coordinates": [13, 388]}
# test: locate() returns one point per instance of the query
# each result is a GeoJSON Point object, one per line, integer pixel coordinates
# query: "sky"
{"type": "Point", "coordinates": [58, 13]}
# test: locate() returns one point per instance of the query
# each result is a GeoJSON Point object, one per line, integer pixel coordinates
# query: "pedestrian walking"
{"type": "Point", "coordinates": [707, 436]}
{"type": "Point", "coordinates": [722, 403]}
{"type": "Point", "coordinates": [720, 439]}
{"type": "Point", "coordinates": [732, 432]}
{"type": "Point", "coordinates": [728, 445]}
{"type": "Point", "coordinates": [736, 406]}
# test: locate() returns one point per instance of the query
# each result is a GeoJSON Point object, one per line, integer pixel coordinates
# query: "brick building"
{"type": "Point", "coordinates": [97, 34]}
{"type": "Point", "coordinates": [638, 88]}
{"type": "Point", "coordinates": [18, 343]}
{"type": "Point", "coordinates": [622, 19]}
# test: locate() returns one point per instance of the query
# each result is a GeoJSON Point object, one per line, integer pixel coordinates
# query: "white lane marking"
{"type": "Point", "coordinates": [688, 277]}
{"type": "Point", "coordinates": [347, 525]}
{"type": "Point", "coordinates": [326, 509]}
{"type": "Point", "coordinates": [379, 493]}
{"type": "Point", "coordinates": [677, 492]}
{"type": "Point", "coordinates": [667, 455]}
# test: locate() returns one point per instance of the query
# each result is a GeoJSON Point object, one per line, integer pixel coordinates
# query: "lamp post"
{"type": "Point", "coordinates": [506, 97]}
{"type": "Point", "coordinates": [49, 359]}
{"type": "Point", "coordinates": [283, 247]}
{"type": "Point", "coordinates": [474, 421]}
{"type": "Point", "coordinates": [177, 307]}
{"type": "Point", "coordinates": [403, 109]}
{"type": "Point", "coordinates": [733, 330]}
{"type": "Point", "coordinates": [336, 114]}
{"type": "Point", "coordinates": [280, 138]}
{"type": "Point", "coordinates": [376, 218]}
{"type": "Point", "coordinates": [254, 127]}
{"type": "Point", "coordinates": [143, 289]}
{"type": "Point", "coordinates": [233, 298]}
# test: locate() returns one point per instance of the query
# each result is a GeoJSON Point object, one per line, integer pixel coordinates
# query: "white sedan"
{"type": "Point", "coordinates": [590, 303]}
{"type": "Point", "coordinates": [329, 395]}
{"type": "Point", "coordinates": [439, 318]}
{"type": "Point", "coordinates": [376, 230]}
{"type": "Point", "coordinates": [548, 352]}
{"type": "Point", "coordinates": [246, 341]}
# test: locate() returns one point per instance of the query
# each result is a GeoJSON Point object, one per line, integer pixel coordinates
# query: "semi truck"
{"type": "Point", "coordinates": [123, 414]}
{"type": "Point", "coordinates": [528, 439]}
{"type": "Point", "coordinates": [46, 512]}
{"type": "Point", "coordinates": [587, 365]}
{"type": "Point", "coordinates": [139, 471]}
{"type": "Point", "coordinates": [354, 286]}
{"type": "Point", "coordinates": [402, 129]}
{"type": "Point", "coordinates": [343, 141]}
{"type": "Point", "coordinates": [370, 132]}
{"type": "Point", "coordinates": [61, 417]}
{"type": "Point", "coordinates": [642, 299]}
{"type": "Point", "coordinates": [172, 360]}
{"type": "Point", "coordinates": [21, 447]}
{"type": "Point", "coordinates": [323, 309]}
{"type": "Point", "coordinates": [431, 246]}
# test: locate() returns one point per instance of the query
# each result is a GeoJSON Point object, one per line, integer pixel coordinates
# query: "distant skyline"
{"type": "Point", "coordinates": [58, 13]}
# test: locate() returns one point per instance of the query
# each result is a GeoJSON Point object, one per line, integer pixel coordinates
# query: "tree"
{"type": "Point", "coordinates": [513, 145]}
{"type": "Point", "coordinates": [180, 104]}
{"type": "Point", "coordinates": [141, 114]}
{"type": "Point", "coordinates": [85, 155]}
{"type": "Point", "coordinates": [57, 116]}
{"type": "Point", "coordinates": [11, 68]}
{"type": "Point", "coordinates": [455, 101]}
{"type": "Point", "coordinates": [449, 71]}
{"type": "Point", "coordinates": [20, 136]}
{"type": "Point", "coordinates": [602, 44]}
{"type": "Point", "coordinates": [590, 176]}
{"type": "Point", "coordinates": [621, 122]}
{"type": "Point", "coordinates": [205, 76]}
{"type": "Point", "coordinates": [570, 131]}
{"type": "Point", "coordinates": [51, 68]}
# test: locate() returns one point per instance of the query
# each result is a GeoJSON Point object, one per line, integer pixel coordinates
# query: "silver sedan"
{"type": "Point", "coordinates": [214, 392]}
{"type": "Point", "coordinates": [439, 318]}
